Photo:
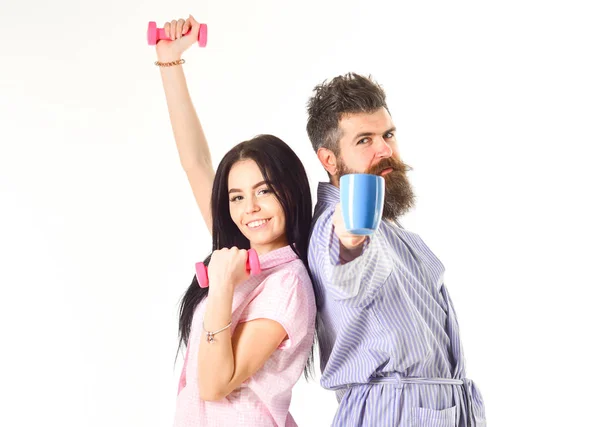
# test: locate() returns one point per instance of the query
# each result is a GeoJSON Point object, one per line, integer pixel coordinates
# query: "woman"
{"type": "Point", "coordinates": [248, 337]}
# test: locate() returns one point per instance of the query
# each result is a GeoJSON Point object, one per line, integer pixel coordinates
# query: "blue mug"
{"type": "Point", "coordinates": [362, 197]}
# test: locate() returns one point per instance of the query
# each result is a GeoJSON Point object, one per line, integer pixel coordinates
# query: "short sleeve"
{"type": "Point", "coordinates": [282, 299]}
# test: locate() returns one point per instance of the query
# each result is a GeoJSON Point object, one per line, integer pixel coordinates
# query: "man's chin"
{"type": "Point", "coordinates": [393, 175]}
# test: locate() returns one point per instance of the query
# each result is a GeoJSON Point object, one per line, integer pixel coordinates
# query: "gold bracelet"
{"type": "Point", "coordinates": [169, 64]}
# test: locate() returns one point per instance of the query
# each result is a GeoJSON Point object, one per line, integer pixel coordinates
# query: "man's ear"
{"type": "Point", "coordinates": [328, 160]}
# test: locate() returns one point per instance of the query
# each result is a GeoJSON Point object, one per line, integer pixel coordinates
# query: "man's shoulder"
{"type": "Point", "coordinates": [396, 231]}
{"type": "Point", "coordinates": [321, 219]}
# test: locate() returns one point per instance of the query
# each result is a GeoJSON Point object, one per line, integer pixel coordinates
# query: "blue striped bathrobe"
{"type": "Point", "coordinates": [388, 334]}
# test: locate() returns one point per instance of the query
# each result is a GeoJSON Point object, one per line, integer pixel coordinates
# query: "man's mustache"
{"type": "Point", "coordinates": [389, 163]}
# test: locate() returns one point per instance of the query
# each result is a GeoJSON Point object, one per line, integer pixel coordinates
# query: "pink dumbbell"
{"type": "Point", "coordinates": [155, 34]}
{"type": "Point", "coordinates": [252, 265]}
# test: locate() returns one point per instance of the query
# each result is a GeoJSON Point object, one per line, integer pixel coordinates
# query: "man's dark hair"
{"type": "Point", "coordinates": [331, 101]}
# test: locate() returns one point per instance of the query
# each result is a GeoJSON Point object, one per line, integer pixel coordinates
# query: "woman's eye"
{"type": "Point", "coordinates": [236, 198]}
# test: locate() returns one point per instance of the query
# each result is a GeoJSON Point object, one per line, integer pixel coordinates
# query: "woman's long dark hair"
{"type": "Point", "coordinates": [284, 174]}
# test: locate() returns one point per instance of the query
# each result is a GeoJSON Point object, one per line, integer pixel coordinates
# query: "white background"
{"type": "Point", "coordinates": [497, 106]}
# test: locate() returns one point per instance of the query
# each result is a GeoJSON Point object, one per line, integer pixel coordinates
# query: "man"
{"type": "Point", "coordinates": [387, 329]}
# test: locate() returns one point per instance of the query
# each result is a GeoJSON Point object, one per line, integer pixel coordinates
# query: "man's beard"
{"type": "Point", "coordinates": [399, 196]}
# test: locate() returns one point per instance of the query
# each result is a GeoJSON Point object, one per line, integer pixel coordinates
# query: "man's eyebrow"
{"type": "Point", "coordinates": [363, 134]}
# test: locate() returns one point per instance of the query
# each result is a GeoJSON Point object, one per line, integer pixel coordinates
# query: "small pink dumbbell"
{"type": "Point", "coordinates": [155, 34]}
{"type": "Point", "coordinates": [252, 265]}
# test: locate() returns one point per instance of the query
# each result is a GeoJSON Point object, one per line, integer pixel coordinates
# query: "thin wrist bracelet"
{"type": "Point", "coordinates": [210, 336]}
{"type": "Point", "coordinates": [169, 64]}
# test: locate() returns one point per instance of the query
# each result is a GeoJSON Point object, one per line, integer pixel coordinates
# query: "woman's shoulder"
{"type": "Point", "coordinates": [293, 273]}
{"type": "Point", "coordinates": [291, 284]}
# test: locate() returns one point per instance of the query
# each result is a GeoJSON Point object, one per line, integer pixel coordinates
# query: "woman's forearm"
{"type": "Point", "coordinates": [215, 359]}
{"type": "Point", "coordinates": [189, 135]}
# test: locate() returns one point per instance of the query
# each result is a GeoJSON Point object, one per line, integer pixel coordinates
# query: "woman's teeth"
{"type": "Point", "coordinates": [258, 223]}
